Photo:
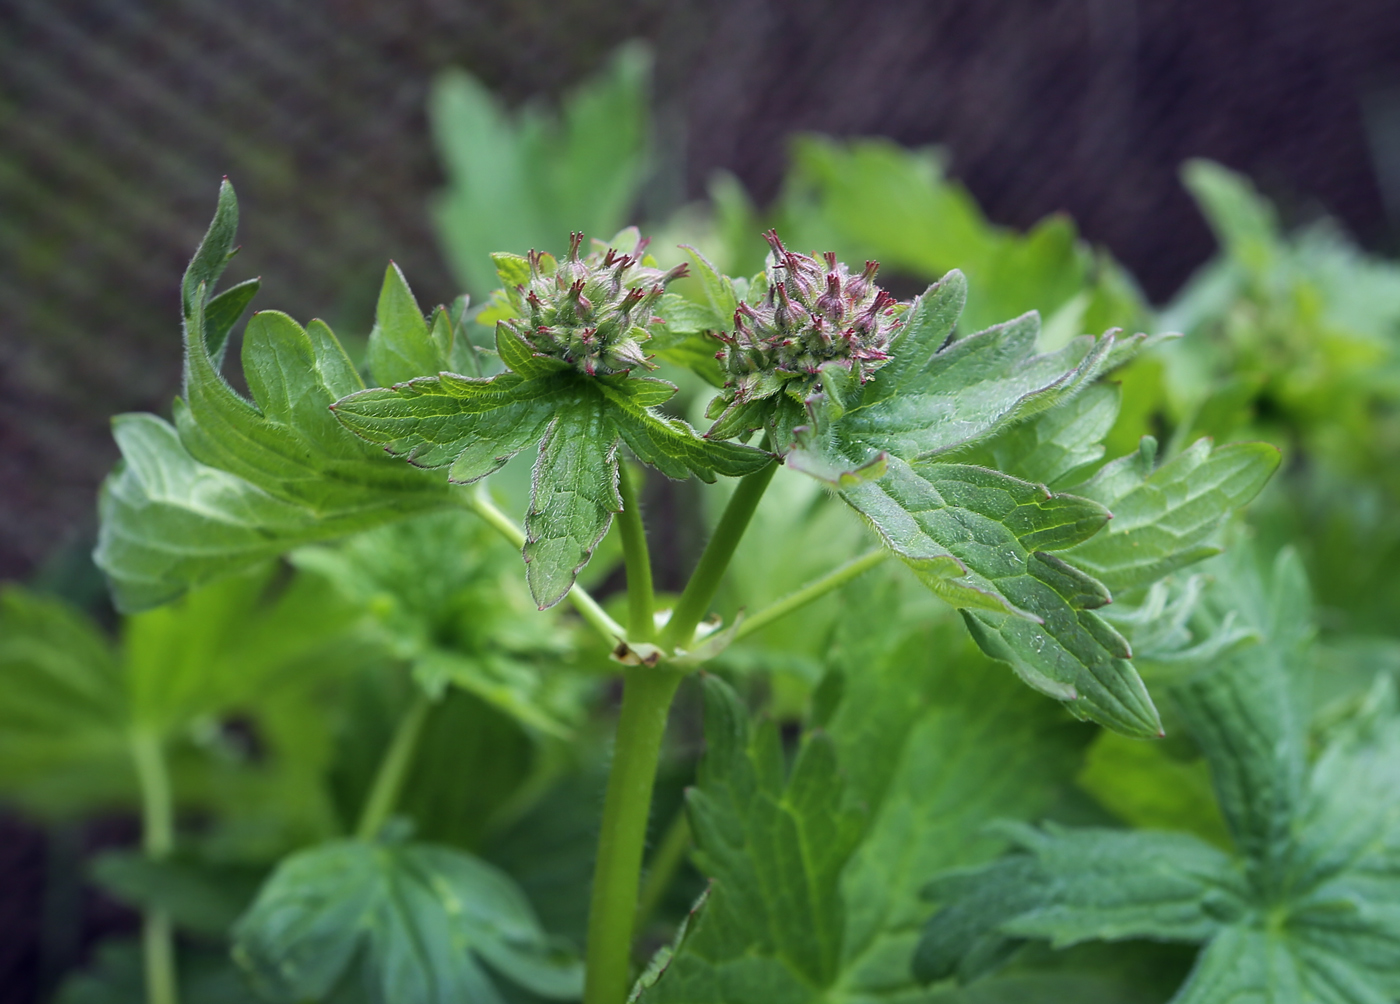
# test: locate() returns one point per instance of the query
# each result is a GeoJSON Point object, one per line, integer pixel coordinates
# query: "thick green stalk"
{"type": "Point", "coordinates": [478, 500]}
{"type": "Point", "coordinates": [814, 590]}
{"type": "Point", "coordinates": [661, 869]}
{"type": "Point", "coordinates": [641, 626]}
{"type": "Point", "coordinates": [158, 839]}
{"type": "Point", "coordinates": [704, 582]}
{"type": "Point", "coordinates": [646, 698]}
{"type": "Point", "coordinates": [393, 768]}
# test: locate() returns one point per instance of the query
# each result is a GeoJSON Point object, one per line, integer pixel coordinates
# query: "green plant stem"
{"type": "Point", "coordinates": [393, 768]}
{"type": "Point", "coordinates": [646, 698]}
{"type": "Point", "coordinates": [661, 869]}
{"type": "Point", "coordinates": [641, 625]}
{"type": "Point", "coordinates": [814, 590]}
{"type": "Point", "coordinates": [158, 840]}
{"type": "Point", "coordinates": [704, 582]}
{"type": "Point", "coordinates": [478, 500]}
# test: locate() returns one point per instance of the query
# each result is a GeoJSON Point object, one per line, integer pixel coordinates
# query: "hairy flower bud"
{"type": "Point", "coordinates": [594, 311]}
{"type": "Point", "coordinates": [815, 313]}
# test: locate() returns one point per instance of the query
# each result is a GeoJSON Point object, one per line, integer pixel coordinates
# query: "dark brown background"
{"type": "Point", "coordinates": [118, 117]}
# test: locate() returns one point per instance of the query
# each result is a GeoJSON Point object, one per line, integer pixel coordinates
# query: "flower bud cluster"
{"type": "Point", "coordinates": [591, 311]}
{"type": "Point", "coordinates": [814, 314]}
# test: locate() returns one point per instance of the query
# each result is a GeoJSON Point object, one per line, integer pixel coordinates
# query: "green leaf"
{"type": "Point", "coordinates": [523, 181]}
{"type": "Point", "coordinates": [1147, 787]}
{"type": "Point", "coordinates": [169, 522]}
{"type": "Point", "coordinates": [968, 390]}
{"type": "Point", "coordinates": [415, 920]}
{"type": "Point", "coordinates": [1057, 445]}
{"type": "Point", "coordinates": [936, 746]}
{"type": "Point", "coordinates": [929, 748]}
{"type": "Point", "coordinates": [401, 345]}
{"type": "Point", "coordinates": [1068, 886]}
{"type": "Point", "coordinates": [718, 288]}
{"type": "Point", "coordinates": [573, 496]}
{"type": "Point", "coordinates": [1242, 220]}
{"type": "Point", "coordinates": [1304, 911]}
{"type": "Point", "coordinates": [471, 425]}
{"type": "Point", "coordinates": [1164, 519]}
{"type": "Point", "coordinates": [245, 479]}
{"type": "Point", "coordinates": [63, 708]}
{"type": "Point", "coordinates": [775, 843]}
{"type": "Point", "coordinates": [670, 444]}
{"type": "Point", "coordinates": [978, 539]}
{"type": "Point", "coordinates": [209, 262]}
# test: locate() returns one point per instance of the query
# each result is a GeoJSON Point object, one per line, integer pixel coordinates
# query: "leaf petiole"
{"type": "Point", "coordinates": [158, 840]}
{"type": "Point", "coordinates": [811, 592]}
{"type": "Point", "coordinates": [709, 571]}
{"type": "Point", "coordinates": [641, 626]}
{"type": "Point", "coordinates": [478, 500]}
{"type": "Point", "coordinates": [393, 768]}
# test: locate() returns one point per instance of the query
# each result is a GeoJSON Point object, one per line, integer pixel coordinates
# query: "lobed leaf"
{"type": "Point", "coordinates": [1068, 886]}
{"type": "Point", "coordinates": [1056, 445]}
{"type": "Point", "coordinates": [573, 496]}
{"type": "Point", "coordinates": [471, 425]}
{"type": "Point", "coordinates": [1164, 519]}
{"type": "Point", "coordinates": [775, 843]}
{"type": "Point", "coordinates": [245, 479]}
{"type": "Point", "coordinates": [417, 921]}
{"type": "Point", "coordinates": [968, 389]}
{"type": "Point", "coordinates": [980, 540]}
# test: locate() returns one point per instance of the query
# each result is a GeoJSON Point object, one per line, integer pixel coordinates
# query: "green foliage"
{"type": "Point", "coordinates": [1301, 911]}
{"type": "Point", "coordinates": [816, 868]}
{"type": "Point", "coordinates": [1293, 337]}
{"type": "Point", "coordinates": [242, 481]}
{"type": "Point", "coordinates": [413, 922]}
{"type": "Point", "coordinates": [72, 702]}
{"type": "Point", "coordinates": [474, 425]}
{"type": "Point", "coordinates": [402, 681]}
{"type": "Point", "coordinates": [518, 182]}
{"type": "Point", "coordinates": [984, 540]}
{"type": "Point", "coordinates": [445, 597]}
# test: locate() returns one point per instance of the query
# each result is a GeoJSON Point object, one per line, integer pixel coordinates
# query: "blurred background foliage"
{"type": "Point", "coordinates": [1062, 180]}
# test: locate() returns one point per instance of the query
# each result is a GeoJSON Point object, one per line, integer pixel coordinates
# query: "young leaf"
{"type": "Point", "coordinates": [401, 346]}
{"type": "Point", "coordinates": [421, 924]}
{"type": "Point", "coordinates": [244, 479]}
{"type": "Point", "coordinates": [569, 384]}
